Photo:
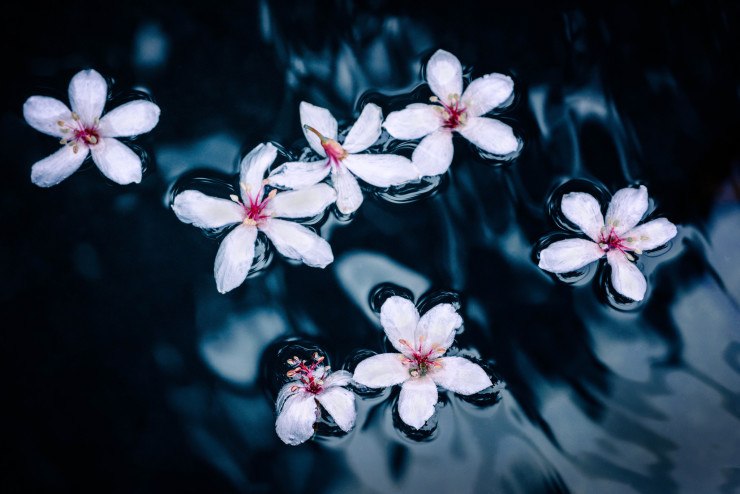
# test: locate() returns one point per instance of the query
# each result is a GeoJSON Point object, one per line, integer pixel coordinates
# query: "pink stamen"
{"type": "Point", "coordinates": [454, 116]}
{"type": "Point", "coordinates": [334, 151]}
{"type": "Point", "coordinates": [613, 241]}
{"type": "Point", "coordinates": [255, 208]}
{"type": "Point", "coordinates": [311, 384]}
{"type": "Point", "coordinates": [80, 133]}
{"type": "Point", "coordinates": [421, 363]}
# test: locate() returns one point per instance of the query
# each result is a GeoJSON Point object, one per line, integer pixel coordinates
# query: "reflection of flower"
{"type": "Point", "coordinates": [616, 239]}
{"type": "Point", "coordinates": [298, 401]}
{"type": "Point", "coordinates": [320, 128]}
{"type": "Point", "coordinates": [82, 129]}
{"type": "Point", "coordinates": [420, 366]}
{"type": "Point", "coordinates": [257, 211]}
{"type": "Point", "coordinates": [462, 114]}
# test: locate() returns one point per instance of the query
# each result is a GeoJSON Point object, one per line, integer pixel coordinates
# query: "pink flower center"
{"type": "Point", "coordinates": [255, 209]}
{"type": "Point", "coordinates": [311, 383]}
{"type": "Point", "coordinates": [334, 151]}
{"type": "Point", "coordinates": [612, 241]}
{"type": "Point", "coordinates": [79, 132]}
{"type": "Point", "coordinates": [453, 116]}
{"type": "Point", "coordinates": [420, 363]}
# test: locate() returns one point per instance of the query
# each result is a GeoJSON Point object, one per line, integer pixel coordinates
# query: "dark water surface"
{"type": "Point", "coordinates": [126, 371]}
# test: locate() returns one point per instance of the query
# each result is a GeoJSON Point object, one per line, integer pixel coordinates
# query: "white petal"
{"type": "Point", "coordinates": [626, 277]}
{"type": "Point", "coordinates": [340, 403]}
{"type": "Point", "coordinates": [568, 255]}
{"type": "Point", "coordinates": [417, 400]}
{"type": "Point", "coordinates": [433, 155]}
{"type": "Point", "coordinates": [60, 165]}
{"type": "Point", "coordinates": [304, 203]}
{"type": "Point", "coordinates": [349, 195]}
{"type": "Point", "coordinates": [338, 378]}
{"type": "Point", "coordinates": [585, 211]}
{"type": "Point", "coordinates": [87, 94]}
{"type": "Point", "coordinates": [399, 319]}
{"type": "Point", "coordinates": [198, 209]}
{"type": "Point", "coordinates": [300, 174]}
{"type": "Point", "coordinates": [298, 242]}
{"type": "Point", "coordinates": [43, 114]}
{"type": "Point", "coordinates": [461, 376]}
{"type": "Point", "coordinates": [486, 93]}
{"type": "Point", "coordinates": [490, 135]}
{"type": "Point", "coordinates": [438, 327]}
{"type": "Point", "coordinates": [253, 167]}
{"type": "Point", "coordinates": [117, 161]}
{"type": "Point", "coordinates": [365, 131]}
{"type": "Point", "coordinates": [294, 424]}
{"type": "Point", "coordinates": [444, 75]}
{"type": "Point", "coordinates": [381, 371]}
{"type": "Point", "coordinates": [627, 208]}
{"type": "Point", "coordinates": [381, 170]}
{"type": "Point", "coordinates": [652, 234]}
{"type": "Point", "coordinates": [234, 258]}
{"type": "Point", "coordinates": [130, 119]}
{"type": "Point", "coordinates": [320, 119]}
{"type": "Point", "coordinates": [414, 121]}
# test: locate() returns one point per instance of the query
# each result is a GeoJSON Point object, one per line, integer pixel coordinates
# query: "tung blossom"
{"type": "Point", "coordinates": [82, 129]}
{"type": "Point", "coordinates": [420, 366]}
{"type": "Point", "coordinates": [617, 238]}
{"type": "Point", "coordinates": [343, 160]}
{"type": "Point", "coordinates": [298, 401]}
{"type": "Point", "coordinates": [258, 212]}
{"type": "Point", "coordinates": [454, 110]}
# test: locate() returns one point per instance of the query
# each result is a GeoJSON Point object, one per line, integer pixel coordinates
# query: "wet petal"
{"type": "Point", "coordinates": [444, 75]}
{"type": "Point", "coordinates": [433, 155]}
{"type": "Point", "coordinates": [381, 170]}
{"type": "Point", "coordinates": [568, 255]}
{"type": "Point", "coordinates": [294, 424]}
{"type": "Point", "coordinates": [304, 203]}
{"type": "Point", "coordinates": [460, 375]}
{"type": "Point", "coordinates": [381, 371]}
{"type": "Point", "coordinates": [399, 319]}
{"type": "Point", "coordinates": [626, 278]}
{"type": "Point", "coordinates": [417, 400]}
{"type": "Point", "coordinates": [131, 119]}
{"type": "Point", "coordinates": [87, 94]}
{"type": "Point", "coordinates": [585, 211]}
{"type": "Point", "coordinates": [340, 403]}
{"type": "Point", "coordinates": [299, 174]}
{"type": "Point", "coordinates": [43, 114]}
{"type": "Point", "coordinates": [234, 258]}
{"type": "Point", "coordinates": [320, 119]}
{"type": "Point", "coordinates": [438, 327]}
{"type": "Point", "coordinates": [117, 161]}
{"type": "Point", "coordinates": [252, 170]}
{"type": "Point", "coordinates": [486, 93]}
{"type": "Point", "coordinates": [365, 131]}
{"type": "Point", "coordinates": [298, 242]}
{"type": "Point", "coordinates": [414, 121]}
{"type": "Point", "coordinates": [627, 208]}
{"type": "Point", "coordinates": [349, 195]}
{"type": "Point", "coordinates": [338, 378]}
{"type": "Point", "coordinates": [198, 209]}
{"type": "Point", "coordinates": [652, 234]}
{"type": "Point", "coordinates": [490, 135]}
{"type": "Point", "coordinates": [60, 165]}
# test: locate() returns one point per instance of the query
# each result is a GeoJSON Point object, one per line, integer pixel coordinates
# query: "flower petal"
{"type": "Point", "coordinates": [381, 170]}
{"type": "Point", "coordinates": [438, 327]}
{"type": "Point", "coordinates": [626, 277]}
{"type": "Point", "coordinates": [414, 121]}
{"type": "Point", "coordinates": [349, 195]}
{"type": "Point", "coordinates": [338, 378]}
{"type": "Point", "coordinates": [486, 93]}
{"type": "Point", "coordinates": [130, 119]}
{"type": "Point", "coordinates": [294, 424]}
{"type": "Point", "coordinates": [433, 155]}
{"type": "Point", "coordinates": [117, 161]}
{"type": "Point", "coordinates": [252, 170]}
{"type": "Point", "coordinates": [340, 403]}
{"type": "Point", "coordinates": [460, 375]}
{"type": "Point", "coordinates": [652, 234]}
{"type": "Point", "coordinates": [417, 400]}
{"type": "Point", "coordinates": [585, 211]}
{"type": "Point", "coordinates": [299, 174]}
{"type": "Point", "coordinates": [298, 242]}
{"type": "Point", "coordinates": [444, 75]}
{"type": "Point", "coordinates": [320, 119]}
{"type": "Point", "coordinates": [198, 209]}
{"type": "Point", "coordinates": [399, 319]}
{"type": "Point", "coordinates": [234, 258]}
{"type": "Point", "coordinates": [43, 114]}
{"type": "Point", "coordinates": [304, 203]}
{"type": "Point", "coordinates": [87, 94]}
{"type": "Point", "coordinates": [381, 371]}
{"type": "Point", "coordinates": [60, 165]}
{"type": "Point", "coordinates": [568, 255]}
{"type": "Point", "coordinates": [490, 135]}
{"type": "Point", "coordinates": [365, 131]}
{"type": "Point", "coordinates": [627, 208]}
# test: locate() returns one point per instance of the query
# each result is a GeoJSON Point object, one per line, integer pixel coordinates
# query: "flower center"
{"type": "Point", "coordinates": [612, 241]}
{"type": "Point", "coordinates": [255, 209]}
{"type": "Point", "coordinates": [79, 132]}
{"type": "Point", "coordinates": [334, 151]}
{"type": "Point", "coordinates": [311, 383]}
{"type": "Point", "coordinates": [453, 116]}
{"type": "Point", "coordinates": [420, 363]}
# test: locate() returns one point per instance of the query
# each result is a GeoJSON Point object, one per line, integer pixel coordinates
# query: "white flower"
{"type": "Point", "coordinates": [615, 239]}
{"type": "Point", "coordinates": [298, 401]}
{"type": "Point", "coordinates": [420, 366]}
{"type": "Point", "coordinates": [453, 112]}
{"type": "Point", "coordinates": [320, 128]}
{"type": "Point", "coordinates": [82, 129]}
{"type": "Point", "coordinates": [257, 212]}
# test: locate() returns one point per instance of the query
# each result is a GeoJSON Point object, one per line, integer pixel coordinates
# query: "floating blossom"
{"type": "Point", "coordinates": [343, 160]}
{"type": "Point", "coordinates": [420, 366]}
{"type": "Point", "coordinates": [82, 129]}
{"type": "Point", "coordinates": [298, 401]}
{"type": "Point", "coordinates": [616, 239]}
{"type": "Point", "coordinates": [452, 112]}
{"type": "Point", "coordinates": [257, 211]}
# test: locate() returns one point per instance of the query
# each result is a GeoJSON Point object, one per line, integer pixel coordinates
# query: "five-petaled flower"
{"type": "Point", "coordinates": [420, 366]}
{"type": "Point", "coordinates": [453, 112]}
{"type": "Point", "coordinates": [617, 238]}
{"type": "Point", "coordinates": [82, 129]}
{"type": "Point", "coordinates": [255, 212]}
{"type": "Point", "coordinates": [342, 160]}
{"type": "Point", "coordinates": [298, 401]}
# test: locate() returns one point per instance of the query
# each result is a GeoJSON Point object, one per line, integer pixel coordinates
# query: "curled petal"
{"type": "Point", "coordinates": [486, 93]}
{"type": "Point", "coordinates": [338, 378]}
{"type": "Point", "coordinates": [417, 400]}
{"type": "Point", "coordinates": [490, 135]}
{"type": "Point", "coordinates": [652, 234]}
{"type": "Point", "coordinates": [44, 114]}
{"type": "Point", "coordinates": [117, 161]}
{"type": "Point", "coordinates": [365, 131]}
{"type": "Point", "coordinates": [444, 75]}
{"type": "Point", "coordinates": [295, 241]}
{"type": "Point", "coordinates": [234, 258]}
{"type": "Point", "coordinates": [460, 375]}
{"type": "Point", "coordinates": [130, 119]}
{"type": "Point", "coordinates": [585, 211]}
{"type": "Point", "coordinates": [626, 277]}
{"type": "Point", "coordinates": [568, 255]}
{"type": "Point", "coordinates": [438, 327]}
{"type": "Point", "coordinates": [433, 155]}
{"type": "Point", "coordinates": [87, 94]}
{"type": "Point", "coordinates": [300, 174]}
{"type": "Point", "coordinates": [381, 170]}
{"type": "Point", "coordinates": [303, 203]}
{"type": "Point", "coordinates": [252, 170]}
{"type": "Point", "coordinates": [198, 209]}
{"type": "Point", "coordinates": [340, 403]}
{"type": "Point", "coordinates": [349, 195]}
{"type": "Point", "coordinates": [320, 119]}
{"type": "Point", "coordinates": [414, 121]}
{"type": "Point", "coordinates": [399, 319]}
{"type": "Point", "coordinates": [294, 424]}
{"type": "Point", "coordinates": [381, 371]}
{"type": "Point", "coordinates": [60, 165]}
{"type": "Point", "coordinates": [627, 208]}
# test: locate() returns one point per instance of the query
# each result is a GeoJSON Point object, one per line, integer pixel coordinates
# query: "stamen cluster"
{"type": "Point", "coordinates": [611, 240]}
{"type": "Point", "coordinates": [81, 134]}
{"type": "Point", "coordinates": [255, 210]}
{"type": "Point", "coordinates": [421, 363]}
{"type": "Point", "coordinates": [452, 115]}
{"type": "Point", "coordinates": [311, 383]}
